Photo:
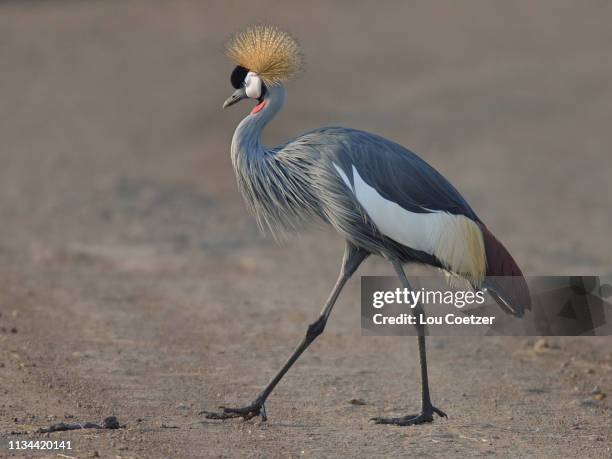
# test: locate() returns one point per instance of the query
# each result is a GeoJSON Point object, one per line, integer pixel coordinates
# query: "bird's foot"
{"type": "Point", "coordinates": [257, 408]}
{"type": "Point", "coordinates": [412, 419]}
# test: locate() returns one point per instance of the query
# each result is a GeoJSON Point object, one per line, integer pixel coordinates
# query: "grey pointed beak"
{"type": "Point", "coordinates": [236, 97]}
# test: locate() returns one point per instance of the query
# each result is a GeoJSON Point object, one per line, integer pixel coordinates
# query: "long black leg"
{"type": "Point", "coordinates": [353, 257]}
{"type": "Point", "coordinates": [427, 408]}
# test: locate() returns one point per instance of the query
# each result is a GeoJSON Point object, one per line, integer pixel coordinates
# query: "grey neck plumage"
{"type": "Point", "coordinates": [247, 136]}
{"type": "Point", "coordinates": [270, 179]}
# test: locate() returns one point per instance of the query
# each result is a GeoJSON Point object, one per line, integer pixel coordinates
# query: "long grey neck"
{"type": "Point", "coordinates": [247, 136]}
{"type": "Point", "coordinates": [276, 195]}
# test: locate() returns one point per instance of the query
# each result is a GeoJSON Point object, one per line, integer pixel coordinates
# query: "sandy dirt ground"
{"type": "Point", "coordinates": [133, 283]}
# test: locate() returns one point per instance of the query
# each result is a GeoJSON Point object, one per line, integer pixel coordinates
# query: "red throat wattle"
{"type": "Point", "coordinates": [258, 107]}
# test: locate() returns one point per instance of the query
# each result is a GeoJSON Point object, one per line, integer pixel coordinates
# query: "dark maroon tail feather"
{"type": "Point", "coordinates": [505, 281]}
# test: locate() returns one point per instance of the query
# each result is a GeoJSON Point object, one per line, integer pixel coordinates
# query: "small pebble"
{"type": "Point", "coordinates": [589, 402]}
{"type": "Point", "coordinates": [111, 422]}
{"type": "Point", "coordinates": [168, 426]}
{"type": "Point", "coordinates": [357, 401]}
{"type": "Point", "coordinates": [541, 345]}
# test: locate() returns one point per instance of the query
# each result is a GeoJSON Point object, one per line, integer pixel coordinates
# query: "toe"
{"type": "Point", "coordinates": [381, 419]}
{"type": "Point", "coordinates": [439, 412]}
{"type": "Point", "coordinates": [214, 415]}
{"type": "Point", "coordinates": [405, 420]}
{"type": "Point", "coordinates": [393, 421]}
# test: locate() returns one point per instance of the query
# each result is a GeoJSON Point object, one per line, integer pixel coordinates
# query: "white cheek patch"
{"type": "Point", "coordinates": [252, 85]}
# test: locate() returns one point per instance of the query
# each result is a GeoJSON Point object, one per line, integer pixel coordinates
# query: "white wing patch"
{"type": "Point", "coordinates": [343, 176]}
{"type": "Point", "coordinates": [414, 230]}
{"type": "Point", "coordinates": [454, 239]}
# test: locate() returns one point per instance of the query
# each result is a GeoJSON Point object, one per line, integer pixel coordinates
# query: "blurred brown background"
{"type": "Point", "coordinates": [134, 283]}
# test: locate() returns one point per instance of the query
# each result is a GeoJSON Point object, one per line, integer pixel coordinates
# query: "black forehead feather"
{"type": "Point", "coordinates": [238, 76]}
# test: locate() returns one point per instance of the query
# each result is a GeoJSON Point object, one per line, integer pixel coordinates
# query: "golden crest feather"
{"type": "Point", "coordinates": [266, 50]}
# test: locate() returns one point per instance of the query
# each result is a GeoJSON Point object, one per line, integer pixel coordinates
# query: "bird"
{"type": "Point", "coordinates": [382, 198]}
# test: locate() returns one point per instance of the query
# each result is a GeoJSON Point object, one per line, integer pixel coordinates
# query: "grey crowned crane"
{"type": "Point", "coordinates": [382, 198]}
